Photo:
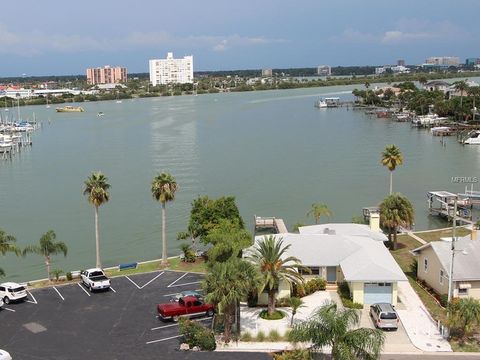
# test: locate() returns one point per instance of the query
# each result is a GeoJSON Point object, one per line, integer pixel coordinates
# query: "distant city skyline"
{"type": "Point", "coordinates": [50, 38]}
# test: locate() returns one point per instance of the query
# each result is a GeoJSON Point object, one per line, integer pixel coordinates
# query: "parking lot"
{"type": "Point", "coordinates": [69, 322]}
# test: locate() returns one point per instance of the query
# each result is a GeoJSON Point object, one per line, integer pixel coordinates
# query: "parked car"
{"type": "Point", "coordinates": [12, 292]}
{"type": "Point", "coordinates": [188, 306]}
{"type": "Point", "coordinates": [384, 316]}
{"type": "Point", "coordinates": [4, 355]}
{"type": "Point", "coordinates": [182, 294]}
{"type": "Point", "coordinates": [1, 303]}
{"type": "Point", "coordinates": [95, 279]}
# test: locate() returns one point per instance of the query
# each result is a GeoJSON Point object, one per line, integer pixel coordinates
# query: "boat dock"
{"type": "Point", "coordinates": [442, 203]}
{"type": "Point", "coordinates": [270, 223]}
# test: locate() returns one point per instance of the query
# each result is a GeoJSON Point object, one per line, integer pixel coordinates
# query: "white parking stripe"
{"type": "Point", "coordinates": [169, 338]}
{"type": "Point", "coordinates": [180, 278]}
{"type": "Point", "coordinates": [156, 277]}
{"type": "Point", "coordinates": [9, 309]}
{"type": "Point", "coordinates": [141, 287]}
{"type": "Point", "coordinates": [133, 282]}
{"type": "Point", "coordinates": [111, 288]}
{"type": "Point", "coordinates": [33, 297]}
{"type": "Point", "coordinates": [58, 292]}
{"type": "Point", "coordinates": [163, 327]}
{"type": "Point", "coordinates": [81, 287]}
{"type": "Point", "coordinates": [190, 283]}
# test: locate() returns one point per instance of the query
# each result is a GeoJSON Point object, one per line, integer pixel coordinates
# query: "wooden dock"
{"type": "Point", "coordinates": [270, 223]}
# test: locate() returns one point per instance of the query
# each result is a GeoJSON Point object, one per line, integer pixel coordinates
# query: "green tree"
{"type": "Point", "coordinates": [395, 211]}
{"type": "Point", "coordinates": [226, 284]}
{"type": "Point", "coordinates": [333, 327]}
{"type": "Point", "coordinates": [269, 255]}
{"type": "Point", "coordinates": [473, 91]}
{"type": "Point", "coordinates": [96, 187]}
{"type": "Point", "coordinates": [391, 158]}
{"type": "Point", "coordinates": [47, 247]}
{"type": "Point", "coordinates": [7, 245]}
{"type": "Point", "coordinates": [164, 187]}
{"type": "Point", "coordinates": [295, 303]}
{"type": "Point", "coordinates": [461, 86]}
{"type": "Point", "coordinates": [465, 316]}
{"type": "Point", "coordinates": [319, 210]}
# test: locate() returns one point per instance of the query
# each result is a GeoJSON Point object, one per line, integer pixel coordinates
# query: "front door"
{"type": "Point", "coordinates": [331, 274]}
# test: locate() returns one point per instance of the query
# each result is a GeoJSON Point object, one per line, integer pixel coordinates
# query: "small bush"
{"type": "Point", "coordinates": [195, 334]}
{"type": "Point", "coordinates": [444, 300]}
{"type": "Point", "coordinates": [69, 276]}
{"type": "Point", "coordinates": [246, 336]}
{"type": "Point", "coordinates": [274, 336]}
{"type": "Point", "coordinates": [297, 354]}
{"type": "Point", "coordinates": [252, 299]}
{"type": "Point", "coordinates": [261, 336]}
{"type": "Point", "coordinates": [298, 291]}
{"type": "Point", "coordinates": [277, 315]}
{"type": "Point", "coordinates": [314, 285]}
{"type": "Point", "coordinates": [56, 273]}
{"type": "Point", "coordinates": [414, 268]}
{"type": "Point", "coordinates": [344, 292]}
{"type": "Point", "coordinates": [350, 304]}
{"type": "Point", "coordinates": [282, 302]}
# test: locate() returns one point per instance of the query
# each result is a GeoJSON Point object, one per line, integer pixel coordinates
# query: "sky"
{"type": "Point", "coordinates": [53, 37]}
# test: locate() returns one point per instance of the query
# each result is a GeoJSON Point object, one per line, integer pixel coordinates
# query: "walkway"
{"type": "Point", "coordinates": [421, 328]}
{"type": "Point", "coordinates": [419, 239]}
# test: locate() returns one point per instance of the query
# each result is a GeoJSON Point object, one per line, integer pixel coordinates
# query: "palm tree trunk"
{"type": "Point", "coordinates": [227, 332]}
{"type": "Point", "coordinates": [291, 321]}
{"type": "Point", "coordinates": [271, 301]}
{"type": "Point", "coordinates": [395, 239]}
{"type": "Point", "coordinates": [164, 234]}
{"type": "Point", "coordinates": [391, 182]}
{"type": "Point", "coordinates": [97, 240]}
{"type": "Point", "coordinates": [47, 263]}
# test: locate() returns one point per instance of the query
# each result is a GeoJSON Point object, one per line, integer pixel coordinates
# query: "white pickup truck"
{"type": "Point", "coordinates": [95, 279]}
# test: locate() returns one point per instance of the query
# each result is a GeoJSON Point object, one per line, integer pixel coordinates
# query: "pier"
{"type": "Point", "coordinates": [442, 203]}
{"type": "Point", "coordinates": [270, 223]}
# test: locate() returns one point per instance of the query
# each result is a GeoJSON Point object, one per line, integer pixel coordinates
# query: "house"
{"type": "Point", "coordinates": [364, 263]}
{"type": "Point", "coordinates": [434, 266]}
{"type": "Point", "coordinates": [437, 85]}
{"type": "Point", "coordinates": [345, 229]}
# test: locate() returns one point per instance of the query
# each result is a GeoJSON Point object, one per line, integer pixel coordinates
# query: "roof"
{"type": "Point", "coordinates": [344, 229]}
{"type": "Point", "coordinates": [466, 264]}
{"type": "Point", "coordinates": [360, 258]}
{"type": "Point", "coordinates": [10, 284]}
{"type": "Point", "coordinates": [437, 83]}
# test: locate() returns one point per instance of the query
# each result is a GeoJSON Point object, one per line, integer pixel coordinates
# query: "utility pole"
{"type": "Point", "coordinates": [450, 275]}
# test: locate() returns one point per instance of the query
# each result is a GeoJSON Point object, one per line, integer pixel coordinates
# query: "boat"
{"type": "Point", "coordinates": [6, 143]}
{"type": "Point", "coordinates": [428, 120]}
{"type": "Point", "coordinates": [328, 102]}
{"type": "Point", "coordinates": [441, 131]}
{"type": "Point", "coordinates": [70, 109]}
{"type": "Point", "coordinates": [100, 113]}
{"type": "Point", "coordinates": [320, 103]}
{"type": "Point", "coordinates": [472, 138]}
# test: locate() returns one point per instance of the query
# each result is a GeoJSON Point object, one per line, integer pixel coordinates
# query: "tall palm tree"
{"type": "Point", "coordinates": [96, 187]}
{"type": "Point", "coordinates": [228, 283]}
{"type": "Point", "coordinates": [269, 255]}
{"type": "Point", "coordinates": [7, 244]}
{"type": "Point", "coordinates": [47, 247]}
{"type": "Point", "coordinates": [333, 327]}
{"type": "Point", "coordinates": [395, 211]}
{"type": "Point", "coordinates": [391, 158]}
{"type": "Point", "coordinates": [319, 210]}
{"type": "Point", "coordinates": [473, 91]}
{"type": "Point", "coordinates": [461, 86]}
{"type": "Point", "coordinates": [163, 189]}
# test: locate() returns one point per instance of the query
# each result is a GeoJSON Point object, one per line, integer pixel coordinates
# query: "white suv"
{"type": "Point", "coordinates": [11, 291]}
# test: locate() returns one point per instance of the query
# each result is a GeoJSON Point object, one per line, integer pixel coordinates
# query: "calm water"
{"type": "Point", "coordinates": [272, 150]}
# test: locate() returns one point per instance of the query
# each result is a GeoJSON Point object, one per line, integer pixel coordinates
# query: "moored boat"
{"type": "Point", "coordinates": [70, 109]}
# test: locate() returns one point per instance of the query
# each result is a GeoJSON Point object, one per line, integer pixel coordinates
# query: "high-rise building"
{"type": "Point", "coordinates": [401, 62]}
{"type": "Point", "coordinates": [443, 61]}
{"type": "Point", "coordinates": [106, 75]}
{"type": "Point", "coordinates": [472, 61]}
{"type": "Point", "coordinates": [171, 71]}
{"type": "Point", "coordinates": [267, 72]}
{"type": "Point", "coordinates": [324, 70]}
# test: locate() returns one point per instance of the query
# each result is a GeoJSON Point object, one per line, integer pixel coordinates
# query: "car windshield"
{"type": "Point", "coordinates": [388, 315]}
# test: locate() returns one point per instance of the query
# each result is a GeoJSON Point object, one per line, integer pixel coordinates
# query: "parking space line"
{"type": "Point", "coordinates": [81, 287]}
{"type": "Point", "coordinates": [111, 288]}
{"type": "Point", "coordinates": [180, 278]}
{"type": "Point", "coordinates": [172, 294]}
{"type": "Point", "coordinates": [163, 327]}
{"type": "Point", "coordinates": [5, 308]}
{"type": "Point", "coordinates": [33, 297]}
{"type": "Point", "coordinates": [141, 287]}
{"type": "Point", "coordinates": [169, 338]}
{"type": "Point", "coordinates": [190, 283]}
{"type": "Point", "coordinates": [58, 292]}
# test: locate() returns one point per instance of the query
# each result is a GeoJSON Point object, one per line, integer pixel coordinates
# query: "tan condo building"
{"type": "Point", "coordinates": [107, 75]}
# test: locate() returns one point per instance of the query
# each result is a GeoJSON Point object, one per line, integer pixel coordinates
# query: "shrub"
{"type": "Point", "coordinates": [69, 276]}
{"type": "Point", "coordinates": [315, 285]}
{"type": "Point", "coordinates": [252, 299]}
{"type": "Point", "coordinates": [344, 292]}
{"type": "Point", "coordinates": [444, 300]}
{"type": "Point", "coordinates": [274, 336]}
{"type": "Point", "coordinates": [246, 336]}
{"type": "Point", "coordinates": [195, 334]}
{"type": "Point", "coordinates": [56, 273]}
{"type": "Point", "coordinates": [297, 354]}
{"type": "Point", "coordinates": [282, 302]}
{"type": "Point", "coordinates": [188, 253]}
{"type": "Point", "coordinates": [261, 336]}
{"type": "Point", "coordinates": [298, 291]}
{"type": "Point", "coordinates": [414, 268]}
{"type": "Point", "coordinates": [350, 304]}
{"type": "Point", "coordinates": [277, 315]}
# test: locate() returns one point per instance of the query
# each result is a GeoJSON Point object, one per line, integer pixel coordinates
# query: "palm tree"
{"type": "Point", "coordinates": [333, 327]}
{"type": "Point", "coordinates": [473, 91]}
{"type": "Point", "coordinates": [391, 158]}
{"type": "Point", "coordinates": [269, 255]}
{"type": "Point", "coordinates": [163, 189]}
{"type": "Point", "coordinates": [319, 210]}
{"type": "Point", "coordinates": [228, 283]}
{"type": "Point", "coordinates": [461, 86]}
{"type": "Point", "coordinates": [465, 315]}
{"type": "Point", "coordinates": [47, 247]}
{"type": "Point", "coordinates": [295, 303]}
{"type": "Point", "coordinates": [96, 187]}
{"type": "Point", "coordinates": [7, 244]}
{"type": "Point", "coordinates": [395, 211]}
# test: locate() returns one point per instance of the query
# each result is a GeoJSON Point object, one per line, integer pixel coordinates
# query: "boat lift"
{"type": "Point", "coordinates": [441, 203]}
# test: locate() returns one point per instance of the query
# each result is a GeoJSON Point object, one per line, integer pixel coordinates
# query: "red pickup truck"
{"type": "Point", "coordinates": [187, 306]}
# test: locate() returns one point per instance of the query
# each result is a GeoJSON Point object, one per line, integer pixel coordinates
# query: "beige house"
{"type": "Point", "coordinates": [434, 265]}
{"type": "Point", "coordinates": [364, 263]}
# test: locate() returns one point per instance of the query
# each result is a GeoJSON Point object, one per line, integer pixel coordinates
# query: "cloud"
{"type": "Point", "coordinates": [35, 43]}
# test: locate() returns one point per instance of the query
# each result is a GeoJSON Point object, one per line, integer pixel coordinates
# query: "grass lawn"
{"type": "Point", "coordinates": [465, 346]}
{"type": "Point", "coordinates": [436, 235]}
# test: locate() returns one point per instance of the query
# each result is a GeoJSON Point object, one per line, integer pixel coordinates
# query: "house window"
{"type": "Point", "coordinates": [462, 292]}
{"type": "Point", "coordinates": [425, 264]}
{"type": "Point", "coordinates": [441, 277]}
{"type": "Point", "coordinates": [315, 270]}
{"type": "Point", "coordinates": [309, 270]}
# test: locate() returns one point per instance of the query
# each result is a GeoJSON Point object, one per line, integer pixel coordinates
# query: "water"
{"type": "Point", "coordinates": [272, 150]}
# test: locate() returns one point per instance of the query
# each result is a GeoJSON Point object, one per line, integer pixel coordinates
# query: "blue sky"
{"type": "Point", "coordinates": [54, 37]}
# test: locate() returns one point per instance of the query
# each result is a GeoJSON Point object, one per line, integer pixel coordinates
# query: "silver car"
{"type": "Point", "coordinates": [384, 316]}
